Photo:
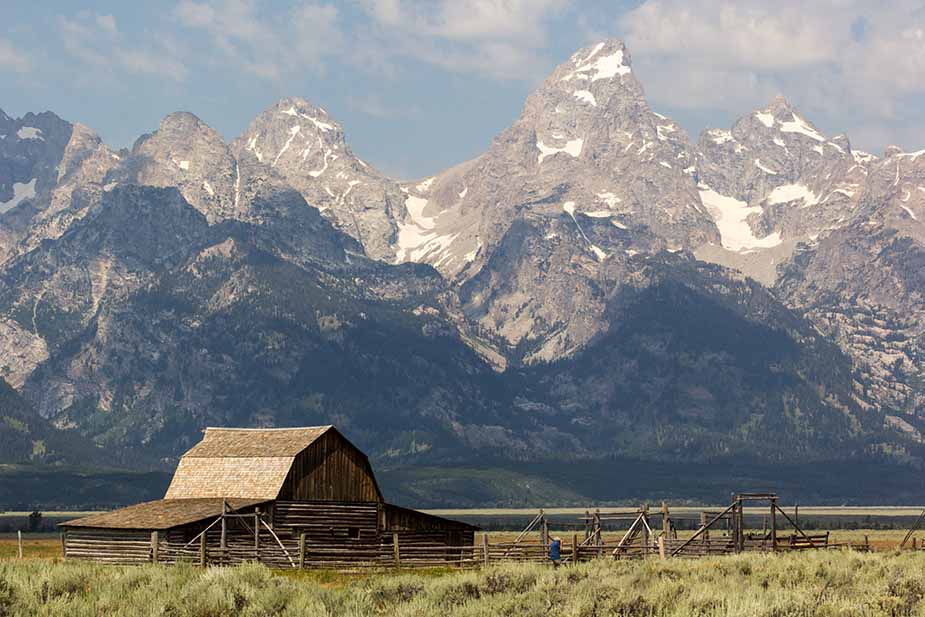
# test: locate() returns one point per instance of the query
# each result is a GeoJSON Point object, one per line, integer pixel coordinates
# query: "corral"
{"type": "Point", "coordinates": [308, 498]}
{"type": "Point", "coordinates": [302, 497]}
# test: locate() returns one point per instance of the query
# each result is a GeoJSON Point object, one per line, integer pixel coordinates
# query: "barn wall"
{"type": "Point", "coordinates": [119, 546]}
{"type": "Point", "coordinates": [418, 528]}
{"type": "Point", "coordinates": [331, 469]}
{"type": "Point", "coordinates": [325, 521]}
{"type": "Point", "coordinates": [336, 533]}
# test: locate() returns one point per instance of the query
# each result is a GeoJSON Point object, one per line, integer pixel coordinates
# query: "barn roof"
{"type": "Point", "coordinates": [255, 442]}
{"type": "Point", "coordinates": [161, 514]}
{"type": "Point", "coordinates": [240, 462]}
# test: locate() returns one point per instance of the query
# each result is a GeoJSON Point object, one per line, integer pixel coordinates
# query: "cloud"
{"type": "Point", "coordinates": [373, 105]}
{"type": "Point", "coordinates": [503, 39]}
{"type": "Point", "coordinates": [838, 44]}
{"type": "Point", "coordinates": [107, 23]}
{"type": "Point", "coordinates": [96, 41]}
{"type": "Point", "coordinates": [839, 58]}
{"type": "Point", "coordinates": [11, 59]}
{"type": "Point", "coordinates": [268, 44]}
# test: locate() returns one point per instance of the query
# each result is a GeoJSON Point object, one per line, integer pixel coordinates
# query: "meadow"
{"type": "Point", "coordinates": [754, 585]}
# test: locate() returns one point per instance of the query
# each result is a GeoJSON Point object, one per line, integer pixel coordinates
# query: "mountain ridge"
{"type": "Point", "coordinates": [593, 284]}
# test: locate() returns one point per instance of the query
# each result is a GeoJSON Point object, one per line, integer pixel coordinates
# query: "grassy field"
{"type": "Point", "coordinates": [809, 583]}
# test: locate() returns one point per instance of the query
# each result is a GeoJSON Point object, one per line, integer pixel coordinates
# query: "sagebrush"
{"type": "Point", "coordinates": [810, 583]}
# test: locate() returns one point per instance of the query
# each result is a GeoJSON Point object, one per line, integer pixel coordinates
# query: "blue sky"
{"type": "Point", "coordinates": [420, 85]}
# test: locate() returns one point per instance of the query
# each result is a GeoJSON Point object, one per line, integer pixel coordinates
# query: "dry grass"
{"type": "Point", "coordinates": [754, 585]}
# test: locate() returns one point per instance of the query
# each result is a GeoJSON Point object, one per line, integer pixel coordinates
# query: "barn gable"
{"type": "Point", "coordinates": [331, 469]}
{"type": "Point", "coordinates": [289, 463]}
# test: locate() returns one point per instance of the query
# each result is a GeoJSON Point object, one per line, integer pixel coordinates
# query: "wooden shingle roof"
{"type": "Point", "coordinates": [240, 463]}
{"type": "Point", "coordinates": [255, 442]}
{"type": "Point", "coordinates": [160, 514]}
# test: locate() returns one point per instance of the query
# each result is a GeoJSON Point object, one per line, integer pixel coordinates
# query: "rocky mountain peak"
{"type": "Point", "coordinates": [294, 136]}
{"type": "Point", "coordinates": [304, 145]}
{"type": "Point", "coordinates": [188, 154]}
{"type": "Point", "coordinates": [780, 104]}
{"type": "Point", "coordinates": [596, 84]}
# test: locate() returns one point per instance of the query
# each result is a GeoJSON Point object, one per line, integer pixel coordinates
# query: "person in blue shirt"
{"type": "Point", "coordinates": [555, 551]}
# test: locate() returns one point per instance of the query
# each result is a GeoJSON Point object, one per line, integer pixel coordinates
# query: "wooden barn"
{"type": "Point", "coordinates": [293, 497]}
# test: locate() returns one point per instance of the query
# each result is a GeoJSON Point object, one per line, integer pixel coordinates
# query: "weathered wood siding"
{"type": "Point", "coordinates": [119, 546]}
{"type": "Point", "coordinates": [331, 469]}
{"type": "Point", "coordinates": [418, 528]}
{"type": "Point", "coordinates": [325, 521]}
{"type": "Point", "coordinates": [336, 533]}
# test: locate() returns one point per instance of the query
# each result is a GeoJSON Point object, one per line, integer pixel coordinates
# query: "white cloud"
{"type": "Point", "coordinates": [272, 45]}
{"type": "Point", "coordinates": [373, 105]}
{"type": "Point", "coordinates": [498, 38]}
{"type": "Point", "coordinates": [840, 59]}
{"type": "Point", "coordinates": [97, 42]}
{"type": "Point", "coordinates": [12, 59]}
{"type": "Point", "coordinates": [107, 23]}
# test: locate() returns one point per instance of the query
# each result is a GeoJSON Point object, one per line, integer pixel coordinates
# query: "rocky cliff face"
{"type": "Point", "coordinates": [863, 286]}
{"type": "Point", "coordinates": [774, 181]}
{"type": "Point", "coordinates": [307, 148]}
{"type": "Point", "coordinates": [549, 296]}
{"type": "Point", "coordinates": [541, 228]}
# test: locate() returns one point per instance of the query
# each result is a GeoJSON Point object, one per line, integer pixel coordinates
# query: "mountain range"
{"type": "Point", "coordinates": [593, 294]}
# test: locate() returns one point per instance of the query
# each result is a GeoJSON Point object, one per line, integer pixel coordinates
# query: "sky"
{"type": "Point", "coordinates": [421, 85]}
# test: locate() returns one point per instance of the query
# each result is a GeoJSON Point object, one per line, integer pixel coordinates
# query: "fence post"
{"type": "Point", "coordinates": [202, 549]}
{"type": "Point", "coordinates": [19, 542]}
{"type": "Point", "coordinates": [574, 548]}
{"type": "Point", "coordinates": [395, 550]}
{"type": "Point", "coordinates": [154, 546]}
{"type": "Point", "coordinates": [224, 541]}
{"type": "Point", "coordinates": [302, 551]}
{"type": "Point", "coordinates": [774, 523]}
{"type": "Point", "coordinates": [661, 547]}
{"type": "Point", "coordinates": [485, 548]}
{"type": "Point", "coordinates": [257, 535]}
{"type": "Point", "coordinates": [544, 530]}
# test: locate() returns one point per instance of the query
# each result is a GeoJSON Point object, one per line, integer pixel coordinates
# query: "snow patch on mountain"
{"type": "Point", "coordinates": [793, 192]}
{"type": "Point", "coordinates": [604, 67]}
{"type": "Point", "coordinates": [569, 208]}
{"type": "Point", "coordinates": [799, 125]}
{"type": "Point", "coordinates": [30, 132]}
{"type": "Point", "coordinates": [21, 192]}
{"type": "Point", "coordinates": [293, 131]}
{"type": "Point", "coordinates": [911, 155]}
{"type": "Point", "coordinates": [586, 96]}
{"type": "Point", "coordinates": [419, 239]}
{"type": "Point", "coordinates": [720, 136]}
{"type": "Point", "coordinates": [609, 198]}
{"type": "Point", "coordinates": [765, 118]}
{"type": "Point", "coordinates": [731, 216]}
{"type": "Point", "coordinates": [572, 148]}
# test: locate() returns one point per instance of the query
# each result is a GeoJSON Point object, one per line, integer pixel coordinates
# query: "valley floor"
{"type": "Point", "coordinates": [809, 583]}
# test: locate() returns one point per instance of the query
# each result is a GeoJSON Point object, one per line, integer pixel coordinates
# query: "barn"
{"type": "Point", "coordinates": [287, 497]}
